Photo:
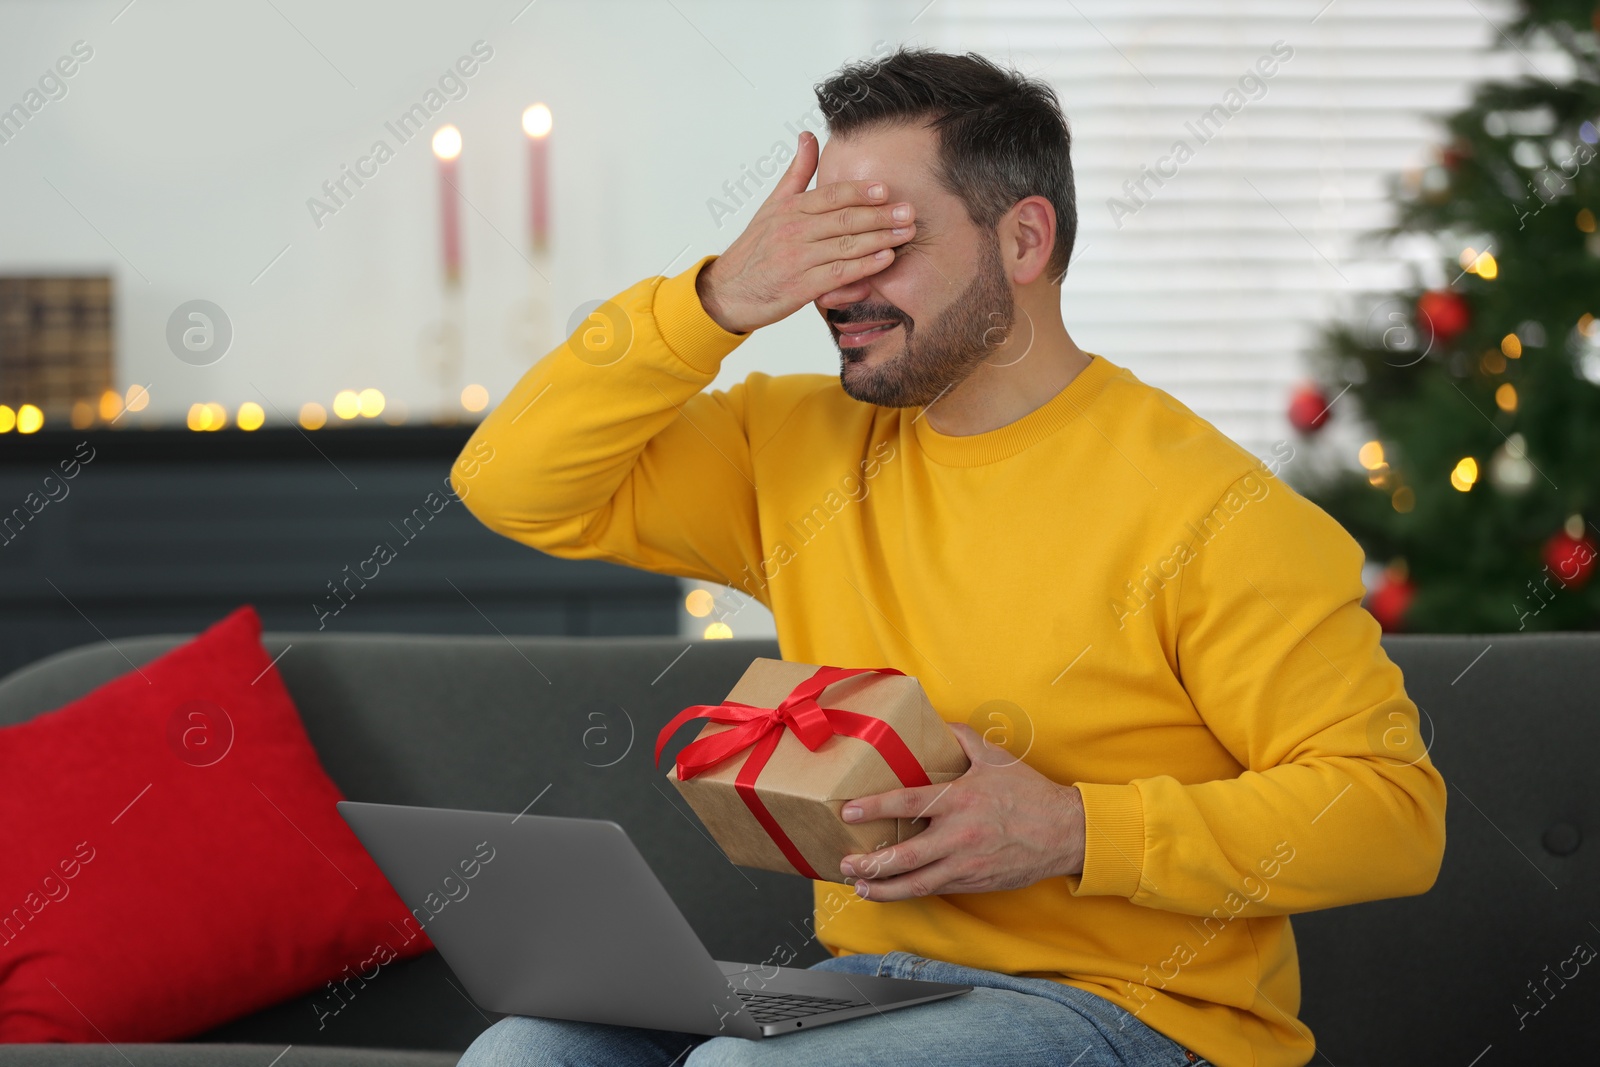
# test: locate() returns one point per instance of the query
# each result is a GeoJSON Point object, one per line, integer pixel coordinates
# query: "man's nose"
{"type": "Point", "coordinates": [845, 295]}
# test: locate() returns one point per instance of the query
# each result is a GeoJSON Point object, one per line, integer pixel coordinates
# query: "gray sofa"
{"type": "Point", "coordinates": [491, 724]}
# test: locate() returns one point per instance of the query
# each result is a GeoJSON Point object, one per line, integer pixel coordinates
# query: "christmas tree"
{"type": "Point", "coordinates": [1476, 476]}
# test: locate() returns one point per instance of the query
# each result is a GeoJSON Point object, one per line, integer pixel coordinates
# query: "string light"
{"type": "Point", "coordinates": [110, 405]}
{"type": "Point", "coordinates": [313, 416]}
{"type": "Point", "coordinates": [250, 416]}
{"type": "Point", "coordinates": [347, 404]}
{"type": "Point", "coordinates": [1511, 346]}
{"type": "Point", "coordinates": [1371, 455]}
{"type": "Point", "coordinates": [699, 603]}
{"type": "Point", "coordinates": [206, 417]}
{"type": "Point", "coordinates": [8, 419]}
{"type": "Point", "coordinates": [1465, 475]}
{"type": "Point", "coordinates": [474, 398]}
{"type": "Point", "coordinates": [137, 398]}
{"type": "Point", "coordinates": [1505, 397]}
{"type": "Point", "coordinates": [1480, 263]}
{"type": "Point", "coordinates": [1404, 499]}
{"type": "Point", "coordinates": [718, 631]}
{"type": "Point", "coordinates": [29, 419]}
{"type": "Point", "coordinates": [371, 403]}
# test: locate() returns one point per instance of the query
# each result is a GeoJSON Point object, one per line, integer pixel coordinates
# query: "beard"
{"type": "Point", "coordinates": [940, 356]}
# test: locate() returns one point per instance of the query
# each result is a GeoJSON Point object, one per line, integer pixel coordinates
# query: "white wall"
{"type": "Point", "coordinates": [184, 152]}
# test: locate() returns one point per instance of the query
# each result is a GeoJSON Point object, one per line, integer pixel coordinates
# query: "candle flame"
{"type": "Point", "coordinates": [447, 143]}
{"type": "Point", "coordinates": [536, 121]}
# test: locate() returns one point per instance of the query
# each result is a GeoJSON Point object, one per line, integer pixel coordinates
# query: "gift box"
{"type": "Point", "coordinates": [777, 760]}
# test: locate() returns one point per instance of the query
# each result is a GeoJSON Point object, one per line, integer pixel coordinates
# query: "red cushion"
{"type": "Point", "coordinates": [159, 877]}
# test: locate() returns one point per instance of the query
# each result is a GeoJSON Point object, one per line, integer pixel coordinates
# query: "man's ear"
{"type": "Point", "coordinates": [1027, 237]}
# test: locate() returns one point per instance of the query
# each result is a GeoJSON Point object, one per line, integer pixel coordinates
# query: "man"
{"type": "Point", "coordinates": [1206, 734]}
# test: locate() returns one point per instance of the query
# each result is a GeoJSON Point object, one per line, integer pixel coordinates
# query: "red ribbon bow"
{"type": "Point", "coordinates": [760, 729]}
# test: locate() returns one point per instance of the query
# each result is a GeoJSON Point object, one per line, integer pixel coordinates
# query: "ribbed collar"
{"type": "Point", "coordinates": [975, 450]}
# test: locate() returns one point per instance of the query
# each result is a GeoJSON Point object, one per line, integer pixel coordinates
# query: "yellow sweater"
{"type": "Point", "coordinates": [1108, 586]}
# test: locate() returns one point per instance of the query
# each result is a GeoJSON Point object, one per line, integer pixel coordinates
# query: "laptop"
{"type": "Point", "coordinates": [563, 919]}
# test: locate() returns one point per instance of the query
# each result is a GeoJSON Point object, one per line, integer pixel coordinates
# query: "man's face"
{"type": "Point", "coordinates": [928, 320]}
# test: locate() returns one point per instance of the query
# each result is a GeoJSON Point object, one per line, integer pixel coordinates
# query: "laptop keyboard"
{"type": "Point", "coordinates": [782, 1007]}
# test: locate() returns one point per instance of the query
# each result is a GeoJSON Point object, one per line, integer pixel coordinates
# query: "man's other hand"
{"type": "Point", "coordinates": [1001, 825]}
{"type": "Point", "coordinates": [801, 245]}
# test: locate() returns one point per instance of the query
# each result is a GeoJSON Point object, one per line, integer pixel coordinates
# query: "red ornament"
{"type": "Point", "coordinates": [1570, 559]}
{"type": "Point", "coordinates": [1453, 153]}
{"type": "Point", "coordinates": [1389, 602]}
{"type": "Point", "coordinates": [1443, 313]}
{"type": "Point", "coordinates": [1308, 409]}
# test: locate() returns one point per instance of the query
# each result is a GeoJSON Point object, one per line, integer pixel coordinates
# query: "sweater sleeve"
{"type": "Point", "coordinates": [608, 448]}
{"type": "Point", "coordinates": [1338, 801]}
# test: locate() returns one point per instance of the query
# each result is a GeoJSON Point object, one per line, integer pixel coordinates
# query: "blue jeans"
{"type": "Point", "coordinates": [1020, 1022]}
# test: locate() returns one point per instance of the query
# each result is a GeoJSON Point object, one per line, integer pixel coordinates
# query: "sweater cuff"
{"type": "Point", "coordinates": [1113, 840]}
{"type": "Point", "coordinates": [693, 335]}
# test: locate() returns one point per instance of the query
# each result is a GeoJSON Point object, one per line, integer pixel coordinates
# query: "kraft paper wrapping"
{"type": "Point", "coordinates": [805, 790]}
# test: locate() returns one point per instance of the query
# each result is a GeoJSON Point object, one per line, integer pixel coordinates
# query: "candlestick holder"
{"type": "Point", "coordinates": [531, 330]}
{"type": "Point", "coordinates": [441, 345]}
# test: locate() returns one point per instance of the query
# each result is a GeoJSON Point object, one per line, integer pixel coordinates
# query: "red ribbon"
{"type": "Point", "coordinates": [760, 729]}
